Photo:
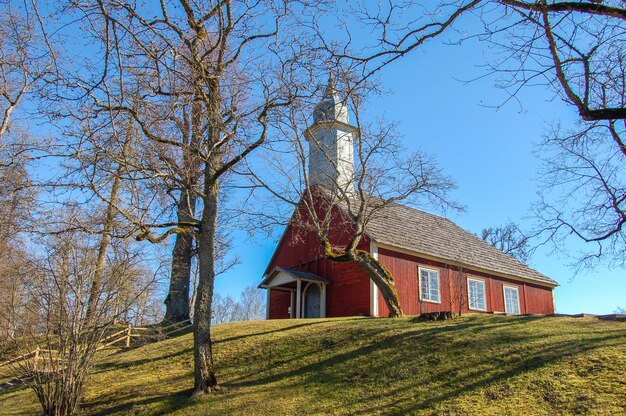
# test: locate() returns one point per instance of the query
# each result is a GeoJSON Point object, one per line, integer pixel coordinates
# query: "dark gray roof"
{"type": "Point", "coordinates": [418, 231]}
{"type": "Point", "coordinates": [299, 274]}
{"type": "Point", "coordinates": [296, 274]}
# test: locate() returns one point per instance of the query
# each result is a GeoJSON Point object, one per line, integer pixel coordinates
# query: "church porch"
{"type": "Point", "coordinates": [295, 294]}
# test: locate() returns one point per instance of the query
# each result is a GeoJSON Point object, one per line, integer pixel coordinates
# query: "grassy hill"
{"type": "Point", "coordinates": [475, 365]}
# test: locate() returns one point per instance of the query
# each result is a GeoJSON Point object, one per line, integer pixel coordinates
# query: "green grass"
{"type": "Point", "coordinates": [475, 365]}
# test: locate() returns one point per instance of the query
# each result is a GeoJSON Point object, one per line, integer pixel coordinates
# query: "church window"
{"type": "Point", "coordinates": [511, 300]}
{"type": "Point", "coordinates": [429, 285]}
{"type": "Point", "coordinates": [476, 294]}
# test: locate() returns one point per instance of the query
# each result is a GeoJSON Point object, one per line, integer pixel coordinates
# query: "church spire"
{"type": "Point", "coordinates": [331, 154]}
{"type": "Point", "coordinates": [331, 108]}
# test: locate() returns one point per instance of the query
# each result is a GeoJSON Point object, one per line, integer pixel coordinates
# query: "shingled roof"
{"type": "Point", "coordinates": [423, 233]}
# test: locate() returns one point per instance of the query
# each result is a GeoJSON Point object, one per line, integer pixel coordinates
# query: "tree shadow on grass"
{"type": "Point", "coordinates": [167, 404]}
{"type": "Point", "coordinates": [389, 342]}
{"type": "Point", "coordinates": [112, 366]}
{"type": "Point", "coordinates": [273, 331]}
{"type": "Point", "coordinates": [526, 353]}
{"type": "Point", "coordinates": [450, 385]}
{"type": "Point", "coordinates": [512, 352]}
{"type": "Point", "coordinates": [108, 366]}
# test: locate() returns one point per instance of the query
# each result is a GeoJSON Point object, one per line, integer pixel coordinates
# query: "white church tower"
{"type": "Point", "coordinates": [331, 144]}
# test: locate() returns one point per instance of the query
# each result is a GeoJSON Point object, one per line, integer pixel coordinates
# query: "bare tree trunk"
{"type": "Point", "coordinates": [205, 380]}
{"type": "Point", "coordinates": [107, 229]}
{"type": "Point", "coordinates": [382, 279]}
{"type": "Point", "coordinates": [204, 369]}
{"type": "Point", "coordinates": [103, 248]}
{"type": "Point", "coordinates": [177, 301]}
{"type": "Point", "coordinates": [452, 292]}
{"type": "Point", "coordinates": [460, 290]}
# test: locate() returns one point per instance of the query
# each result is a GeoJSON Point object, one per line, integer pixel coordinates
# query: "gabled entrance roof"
{"type": "Point", "coordinates": [281, 276]}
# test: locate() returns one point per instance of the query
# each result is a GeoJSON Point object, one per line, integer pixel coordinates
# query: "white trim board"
{"type": "Point", "coordinates": [373, 287]}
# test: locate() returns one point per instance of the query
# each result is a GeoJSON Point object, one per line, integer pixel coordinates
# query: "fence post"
{"type": "Point", "coordinates": [36, 358]}
{"type": "Point", "coordinates": [128, 334]}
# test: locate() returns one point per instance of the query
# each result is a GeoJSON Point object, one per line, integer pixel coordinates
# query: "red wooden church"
{"type": "Point", "coordinates": [437, 265]}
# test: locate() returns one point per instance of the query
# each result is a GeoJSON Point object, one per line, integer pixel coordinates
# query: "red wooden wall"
{"type": "Point", "coordinates": [279, 304]}
{"type": "Point", "coordinates": [348, 293]}
{"type": "Point", "coordinates": [404, 267]}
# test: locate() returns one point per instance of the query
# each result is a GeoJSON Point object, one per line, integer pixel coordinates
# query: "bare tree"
{"type": "Point", "coordinates": [224, 61]}
{"type": "Point", "coordinates": [457, 290]}
{"type": "Point", "coordinates": [235, 311]}
{"type": "Point", "coordinates": [138, 298]}
{"type": "Point", "coordinates": [252, 304]}
{"type": "Point", "coordinates": [509, 239]}
{"type": "Point", "coordinates": [58, 336]}
{"type": "Point", "coordinates": [250, 307]}
{"type": "Point", "coordinates": [335, 198]}
{"type": "Point", "coordinates": [577, 49]}
{"type": "Point", "coordinates": [15, 197]}
{"type": "Point", "coordinates": [23, 63]}
{"type": "Point", "coordinates": [63, 302]}
{"type": "Point", "coordinates": [583, 194]}
{"type": "Point", "coordinates": [24, 60]}
{"type": "Point", "coordinates": [90, 275]}
{"type": "Point", "coordinates": [220, 312]}
{"type": "Point", "coordinates": [190, 123]}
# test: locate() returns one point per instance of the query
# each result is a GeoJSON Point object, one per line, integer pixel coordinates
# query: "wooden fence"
{"type": "Point", "coordinates": [120, 339]}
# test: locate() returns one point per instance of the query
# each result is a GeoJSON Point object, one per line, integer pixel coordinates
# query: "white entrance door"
{"type": "Point", "coordinates": [312, 296]}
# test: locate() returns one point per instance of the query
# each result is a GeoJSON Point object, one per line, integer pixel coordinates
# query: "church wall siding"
{"type": "Point", "coordinates": [539, 300]}
{"type": "Point", "coordinates": [348, 293]}
{"type": "Point", "coordinates": [404, 267]}
{"type": "Point", "coordinates": [279, 304]}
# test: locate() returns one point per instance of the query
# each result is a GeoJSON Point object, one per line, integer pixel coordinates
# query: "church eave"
{"type": "Point", "coordinates": [308, 133]}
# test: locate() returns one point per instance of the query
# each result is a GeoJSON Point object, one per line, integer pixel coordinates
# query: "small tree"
{"type": "Point", "coordinates": [252, 304]}
{"type": "Point", "coordinates": [59, 349]}
{"type": "Point", "coordinates": [457, 289]}
{"type": "Point", "coordinates": [509, 239]}
{"type": "Point", "coordinates": [251, 307]}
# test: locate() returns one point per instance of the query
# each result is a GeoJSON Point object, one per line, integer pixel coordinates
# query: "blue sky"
{"type": "Point", "coordinates": [488, 152]}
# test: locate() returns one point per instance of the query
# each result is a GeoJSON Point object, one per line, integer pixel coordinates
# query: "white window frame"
{"type": "Point", "coordinates": [519, 307]}
{"type": "Point", "coordinates": [419, 283]}
{"type": "Point", "coordinates": [469, 297]}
